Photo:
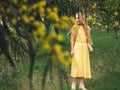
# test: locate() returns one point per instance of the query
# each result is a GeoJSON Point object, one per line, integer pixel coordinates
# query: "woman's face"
{"type": "Point", "coordinates": [78, 19]}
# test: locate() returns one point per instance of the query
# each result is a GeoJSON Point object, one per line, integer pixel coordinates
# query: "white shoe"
{"type": "Point", "coordinates": [82, 87]}
{"type": "Point", "coordinates": [73, 86]}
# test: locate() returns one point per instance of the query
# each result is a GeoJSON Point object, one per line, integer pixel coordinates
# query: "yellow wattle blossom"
{"type": "Point", "coordinates": [24, 7]}
{"type": "Point", "coordinates": [41, 11]}
{"type": "Point", "coordinates": [42, 3]}
{"type": "Point", "coordinates": [37, 23]}
{"type": "Point", "coordinates": [14, 21]}
{"type": "Point", "coordinates": [94, 15]}
{"type": "Point", "coordinates": [49, 10]}
{"type": "Point", "coordinates": [55, 25]}
{"type": "Point", "coordinates": [55, 9]}
{"type": "Point", "coordinates": [94, 22]}
{"type": "Point", "coordinates": [15, 1]}
{"type": "Point", "coordinates": [64, 24]}
{"type": "Point", "coordinates": [53, 16]}
{"type": "Point", "coordinates": [106, 26]}
{"type": "Point", "coordinates": [25, 19]}
{"type": "Point", "coordinates": [99, 24]}
{"type": "Point", "coordinates": [46, 46]}
{"type": "Point", "coordinates": [116, 23]}
{"type": "Point", "coordinates": [32, 7]}
{"type": "Point", "coordinates": [94, 5]}
{"type": "Point", "coordinates": [57, 48]}
{"type": "Point", "coordinates": [53, 35]}
{"type": "Point", "coordinates": [65, 18]}
{"type": "Point", "coordinates": [66, 53]}
{"type": "Point", "coordinates": [72, 19]}
{"type": "Point", "coordinates": [41, 29]}
{"type": "Point", "coordinates": [59, 38]}
{"type": "Point", "coordinates": [31, 18]}
{"type": "Point", "coordinates": [89, 17]}
{"type": "Point", "coordinates": [25, 0]}
{"type": "Point", "coordinates": [8, 10]}
{"type": "Point", "coordinates": [116, 13]}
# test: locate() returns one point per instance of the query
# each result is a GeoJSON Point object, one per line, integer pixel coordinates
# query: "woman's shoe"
{"type": "Point", "coordinates": [73, 86]}
{"type": "Point", "coordinates": [82, 87]}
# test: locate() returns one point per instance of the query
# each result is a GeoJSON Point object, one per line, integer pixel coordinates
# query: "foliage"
{"type": "Point", "coordinates": [33, 28]}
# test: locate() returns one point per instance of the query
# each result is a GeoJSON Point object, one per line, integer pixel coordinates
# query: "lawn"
{"type": "Point", "coordinates": [105, 67]}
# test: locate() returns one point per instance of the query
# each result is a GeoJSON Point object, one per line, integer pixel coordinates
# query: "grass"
{"type": "Point", "coordinates": [105, 62]}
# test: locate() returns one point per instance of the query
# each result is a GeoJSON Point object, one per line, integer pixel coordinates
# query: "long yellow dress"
{"type": "Point", "coordinates": [80, 61]}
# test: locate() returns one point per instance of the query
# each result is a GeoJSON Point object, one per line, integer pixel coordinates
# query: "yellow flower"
{"type": "Point", "coordinates": [64, 25]}
{"type": "Point", "coordinates": [15, 1]}
{"type": "Point", "coordinates": [89, 17]}
{"type": "Point", "coordinates": [94, 22]}
{"type": "Point", "coordinates": [94, 5]}
{"type": "Point", "coordinates": [42, 3]}
{"type": "Point", "coordinates": [32, 7]}
{"type": "Point", "coordinates": [46, 46]}
{"type": "Point", "coordinates": [106, 26]}
{"type": "Point", "coordinates": [99, 24]}
{"type": "Point", "coordinates": [14, 21]}
{"type": "Point", "coordinates": [59, 38]}
{"type": "Point", "coordinates": [41, 10]}
{"type": "Point", "coordinates": [37, 23]}
{"type": "Point", "coordinates": [25, 19]}
{"type": "Point", "coordinates": [53, 16]}
{"type": "Point", "coordinates": [116, 23]}
{"type": "Point", "coordinates": [24, 7]}
{"type": "Point", "coordinates": [8, 10]}
{"type": "Point", "coordinates": [72, 19]}
{"type": "Point", "coordinates": [31, 18]}
{"type": "Point", "coordinates": [66, 53]}
{"type": "Point", "coordinates": [57, 48]}
{"type": "Point", "coordinates": [116, 13]}
{"type": "Point", "coordinates": [65, 18]}
{"type": "Point", "coordinates": [49, 10]}
{"type": "Point", "coordinates": [25, 0]}
{"type": "Point", "coordinates": [55, 9]}
{"type": "Point", "coordinates": [55, 25]}
{"type": "Point", "coordinates": [41, 29]}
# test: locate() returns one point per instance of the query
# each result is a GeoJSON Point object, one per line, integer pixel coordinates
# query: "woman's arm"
{"type": "Point", "coordinates": [90, 47]}
{"type": "Point", "coordinates": [73, 37]}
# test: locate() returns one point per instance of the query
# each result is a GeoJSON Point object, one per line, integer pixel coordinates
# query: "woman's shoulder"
{"type": "Point", "coordinates": [75, 27]}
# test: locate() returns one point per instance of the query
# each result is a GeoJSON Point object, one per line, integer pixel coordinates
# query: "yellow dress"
{"type": "Point", "coordinates": [80, 61]}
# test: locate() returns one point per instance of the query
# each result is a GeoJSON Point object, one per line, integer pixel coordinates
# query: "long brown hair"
{"type": "Point", "coordinates": [85, 26]}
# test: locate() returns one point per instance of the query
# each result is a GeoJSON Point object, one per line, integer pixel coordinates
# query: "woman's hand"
{"type": "Point", "coordinates": [91, 49]}
{"type": "Point", "coordinates": [72, 52]}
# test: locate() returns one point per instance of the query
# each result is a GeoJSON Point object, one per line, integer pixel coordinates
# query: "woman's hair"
{"type": "Point", "coordinates": [85, 26]}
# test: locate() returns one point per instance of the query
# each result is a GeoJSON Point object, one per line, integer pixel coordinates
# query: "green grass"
{"type": "Point", "coordinates": [105, 66]}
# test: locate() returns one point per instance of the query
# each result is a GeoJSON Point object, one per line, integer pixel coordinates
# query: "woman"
{"type": "Point", "coordinates": [81, 44]}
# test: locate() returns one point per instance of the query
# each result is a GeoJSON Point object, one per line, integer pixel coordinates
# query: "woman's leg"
{"type": "Point", "coordinates": [74, 81]}
{"type": "Point", "coordinates": [81, 83]}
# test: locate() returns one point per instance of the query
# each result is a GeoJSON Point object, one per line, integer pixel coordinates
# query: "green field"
{"type": "Point", "coordinates": [105, 65]}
